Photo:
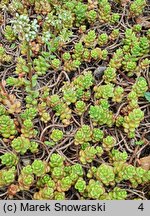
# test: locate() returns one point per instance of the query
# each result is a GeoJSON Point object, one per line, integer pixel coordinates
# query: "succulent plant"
{"type": "Point", "coordinates": [137, 6]}
{"type": "Point", "coordinates": [39, 167]}
{"type": "Point", "coordinates": [89, 39]}
{"type": "Point", "coordinates": [118, 194]}
{"type": "Point", "coordinates": [77, 169]}
{"type": "Point", "coordinates": [132, 121]}
{"type": "Point", "coordinates": [7, 126]}
{"type": "Point", "coordinates": [55, 64]}
{"type": "Point", "coordinates": [41, 66]}
{"type": "Point", "coordinates": [105, 174]}
{"type": "Point", "coordinates": [101, 116]}
{"type": "Point", "coordinates": [56, 160]}
{"type": "Point", "coordinates": [9, 159]}
{"type": "Point", "coordinates": [21, 144]}
{"type": "Point", "coordinates": [3, 56]}
{"type": "Point", "coordinates": [102, 39]}
{"type": "Point", "coordinates": [118, 94]}
{"type": "Point", "coordinates": [97, 135]}
{"type": "Point", "coordinates": [140, 87]}
{"type": "Point", "coordinates": [108, 143]}
{"type": "Point", "coordinates": [25, 29]}
{"type": "Point", "coordinates": [104, 91]}
{"type": "Point", "coordinates": [94, 189]}
{"type": "Point", "coordinates": [83, 135]}
{"type": "Point", "coordinates": [87, 155]}
{"type": "Point", "coordinates": [80, 107]}
{"type": "Point", "coordinates": [45, 193]}
{"type": "Point", "coordinates": [64, 184]}
{"type": "Point", "coordinates": [9, 33]}
{"type": "Point", "coordinates": [29, 113]}
{"type": "Point", "coordinates": [56, 135]}
{"type": "Point", "coordinates": [116, 155]}
{"type": "Point", "coordinates": [7, 176]}
{"type": "Point", "coordinates": [80, 185]}
{"type": "Point", "coordinates": [59, 195]}
{"type": "Point", "coordinates": [27, 129]}
{"type": "Point", "coordinates": [110, 75]}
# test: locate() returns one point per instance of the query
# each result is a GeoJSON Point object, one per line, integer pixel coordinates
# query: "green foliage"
{"type": "Point", "coordinates": [56, 135]}
{"type": "Point", "coordinates": [117, 156]}
{"type": "Point", "coordinates": [80, 107]}
{"type": "Point", "coordinates": [105, 174]}
{"type": "Point", "coordinates": [101, 116]}
{"type": "Point", "coordinates": [140, 87]}
{"type": "Point", "coordinates": [91, 16]}
{"type": "Point", "coordinates": [83, 135]}
{"type": "Point", "coordinates": [132, 121]}
{"type": "Point", "coordinates": [97, 135]}
{"type": "Point", "coordinates": [94, 189]}
{"type": "Point", "coordinates": [110, 75]}
{"type": "Point", "coordinates": [7, 176]}
{"type": "Point", "coordinates": [3, 56]}
{"type": "Point", "coordinates": [147, 96]}
{"type": "Point", "coordinates": [39, 167]}
{"type": "Point", "coordinates": [73, 88]}
{"type": "Point", "coordinates": [104, 91]}
{"type": "Point", "coordinates": [9, 159]}
{"type": "Point", "coordinates": [56, 160]}
{"type": "Point", "coordinates": [102, 39]}
{"type": "Point", "coordinates": [89, 39]}
{"type": "Point", "coordinates": [80, 185]}
{"type": "Point", "coordinates": [27, 129]}
{"type": "Point", "coordinates": [7, 126]}
{"type": "Point", "coordinates": [55, 64]}
{"type": "Point", "coordinates": [2, 110]}
{"type": "Point", "coordinates": [17, 82]}
{"type": "Point", "coordinates": [137, 7]}
{"type": "Point", "coordinates": [80, 13]}
{"type": "Point", "coordinates": [21, 144]}
{"type": "Point", "coordinates": [108, 143]}
{"type": "Point", "coordinates": [41, 66]}
{"type": "Point", "coordinates": [9, 33]}
{"type": "Point", "coordinates": [118, 194]}
{"type": "Point", "coordinates": [87, 155]}
{"type": "Point", "coordinates": [29, 113]}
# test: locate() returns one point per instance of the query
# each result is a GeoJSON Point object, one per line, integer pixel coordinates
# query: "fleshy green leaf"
{"type": "Point", "coordinates": [147, 96]}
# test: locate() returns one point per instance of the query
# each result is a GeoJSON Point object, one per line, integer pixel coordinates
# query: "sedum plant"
{"type": "Point", "coordinates": [137, 7]}
{"type": "Point", "coordinates": [7, 127]}
{"type": "Point", "coordinates": [132, 121]}
{"type": "Point", "coordinates": [7, 176]}
{"type": "Point", "coordinates": [89, 39]}
{"type": "Point", "coordinates": [21, 144]}
{"type": "Point", "coordinates": [108, 143]}
{"type": "Point", "coordinates": [39, 167]}
{"type": "Point", "coordinates": [9, 159]}
{"type": "Point", "coordinates": [80, 185]}
{"type": "Point", "coordinates": [80, 107]}
{"type": "Point", "coordinates": [105, 174]}
{"type": "Point", "coordinates": [94, 189]}
{"type": "Point", "coordinates": [83, 135]}
{"type": "Point", "coordinates": [110, 75]}
{"type": "Point", "coordinates": [56, 135]}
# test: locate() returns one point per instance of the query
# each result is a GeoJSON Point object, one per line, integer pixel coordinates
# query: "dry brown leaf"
{"type": "Point", "coordinates": [14, 106]}
{"type": "Point", "coordinates": [124, 2]}
{"type": "Point", "coordinates": [145, 162]}
{"type": "Point", "coordinates": [143, 21]}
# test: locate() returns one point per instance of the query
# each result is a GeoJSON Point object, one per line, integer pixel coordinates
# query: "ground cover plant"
{"type": "Point", "coordinates": [75, 99]}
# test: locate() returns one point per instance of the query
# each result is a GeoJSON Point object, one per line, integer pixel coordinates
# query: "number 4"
{"type": "Point", "coordinates": [141, 207]}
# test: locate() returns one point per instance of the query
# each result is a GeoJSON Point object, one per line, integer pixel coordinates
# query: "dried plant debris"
{"type": "Point", "coordinates": [74, 99]}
